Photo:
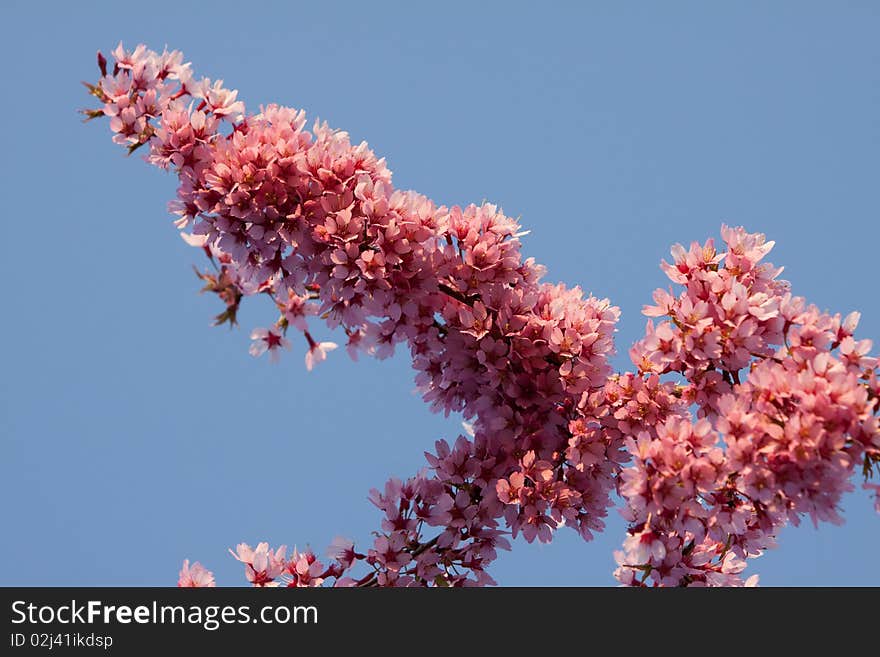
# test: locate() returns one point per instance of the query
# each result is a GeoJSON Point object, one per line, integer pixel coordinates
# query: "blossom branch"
{"type": "Point", "coordinates": [314, 222]}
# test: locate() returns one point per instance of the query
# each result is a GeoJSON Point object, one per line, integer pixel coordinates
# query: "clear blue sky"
{"type": "Point", "coordinates": [135, 435]}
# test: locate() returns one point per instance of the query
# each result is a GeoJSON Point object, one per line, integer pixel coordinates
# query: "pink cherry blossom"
{"type": "Point", "coordinates": [268, 340]}
{"type": "Point", "coordinates": [297, 309]}
{"type": "Point", "coordinates": [262, 564]}
{"type": "Point", "coordinates": [317, 353]}
{"type": "Point", "coordinates": [220, 102]}
{"type": "Point", "coordinates": [342, 551]}
{"type": "Point", "coordinates": [304, 570]}
{"type": "Point", "coordinates": [195, 576]}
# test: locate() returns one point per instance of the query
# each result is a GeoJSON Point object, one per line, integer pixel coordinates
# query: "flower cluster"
{"type": "Point", "coordinates": [312, 221]}
{"type": "Point", "coordinates": [264, 566]}
{"type": "Point", "coordinates": [786, 407]}
{"type": "Point", "coordinates": [315, 223]}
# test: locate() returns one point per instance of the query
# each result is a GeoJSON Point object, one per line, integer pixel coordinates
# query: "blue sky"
{"type": "Point", "coordinates": [134, 435]}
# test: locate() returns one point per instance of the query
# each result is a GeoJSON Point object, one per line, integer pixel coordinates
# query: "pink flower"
{"type": "Point", "coordinates": [220, 101]}
{"type": "Point", "coordinates": [195, 576]}
{"type": "Point", "coordinates": [128, 60]}
{"type": "Point", "coordinates": [317, 353]}
{"type": "Point", "coordinates": [644, 547]}
{"type": "Point", "coordinates": [475, 321]}
{"type": "Point", "coordinates": [262, 564]}
{"type": "Point", "coordinates": [389, 551]}
{"type": "Point", "coordinates": [297, 309]}
{"type": "Point", "coordinates": [342, 550]}
{"type": "Point", "coordinates": [270, 340]}
{"type": "Point", "coordinates": [304, 570]}
{"type": "Point", "coordinates": [357, 342]}
{"type": "Point", "coordinates": [438, 515]}
{"type": "Point", "coordinates": [508, 490]}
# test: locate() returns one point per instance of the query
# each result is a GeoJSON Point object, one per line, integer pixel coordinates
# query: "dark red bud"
{"type": "Point", "coordinates": [102, 63]}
